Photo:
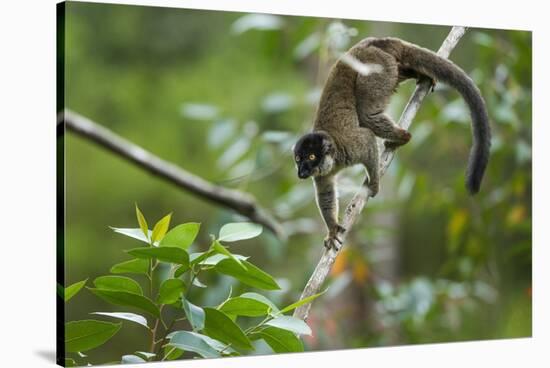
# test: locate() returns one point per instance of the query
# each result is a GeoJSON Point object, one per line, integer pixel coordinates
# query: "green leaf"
{"type": "Point", "coordinates": [132, 233]}
{"type": "Point", "coordinates": [252, 276]}
{"type": "Point", "coordinates": [172, 353]}
{"type": "Point", "coordinates": [194, 314]}
{"type": "Point", "coordinates": [239, 231]}
{"type": "Point", "coordinates": [217, 345]}
{"type": "Point", "coordinates": [170, 291]}
{"type": "Point", "coordinates": [181, 236]}
{"type": "Point", "coordinates": [281, 341]}
{"type": "Point", "coordinates": [216, 245]}
{"type": "Point", "coordinates": [191, 341]}
{"type": "Point", "coordinates": [142, 222]}
{"type": "Point", "coordinates": [70, 362]}
{"type": "Point", "coordinates": [219, 326]}
{"type": "Point", "coordinates": [139, 266]}
{"type": "Point", "coordinates": [88, 334]}
{"type": "Point", "coordinates": [161, 228]}
{"type": "Point", "coordinates": [132, 359]}
{"type": "Point", "coordinates": [126, 316]}
{"type": "Point", "coordinates": [240, 306]}
{"type": "Point", "coordinates": [289, 323]}
{"type": "Point", "coordinates": [165, 254]}
{"type": "Point", "coordinates": [71, 290]}
{"type": "Point", "coordinates": [181, 270]}
{"type": "Point", "coordinates": [214, 259]}
{"type": "Point", "coordinates": [301, 302]}
{"type": "Point", "coordinates": [118, 283]}
{"type": "Point", "coordinates": [262, 299]}
{"type": "Point", "coordinates": [127, 299]}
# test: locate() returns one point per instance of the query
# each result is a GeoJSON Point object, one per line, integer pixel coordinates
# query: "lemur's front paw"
{"type": "Point", "coordinates": [332, 243]}
{"type": "Point", "coordinates": [373, 187]}
{"type": "Point", "coordinates": [334, 238]}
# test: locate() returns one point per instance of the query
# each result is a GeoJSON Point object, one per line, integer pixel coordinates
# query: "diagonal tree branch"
{"type": "Point", "coordinates": [360, 199]}
{"type": "Point", "coordinates": [242, 203]}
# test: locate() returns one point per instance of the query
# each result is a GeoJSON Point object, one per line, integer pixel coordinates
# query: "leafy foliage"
{"type": "Point", "coordinates": [252, 276]}
{"type": "Point", "coordinates": [239, 231]}
{"type": "Point", "coordinates": [118, 283]}
{"type": "Point", "coordinates": [138, 266]}
{"type": "Point", "coordinates": [71, 290]}
{"type": "Point", "coordinates": [126, 316]}
{"type": "Point", "coordinates": [127, 299]}
{"type": "Point", "coordinates": [240, 306]}
{"type": "Point", "coordinates": [88, 334]}
{"type": "Point", "coordinates": [181, 236]}
{"type": "Point", "coordinates": [214, 331]}
{"type": "Point", "coordinates": [165, 254]}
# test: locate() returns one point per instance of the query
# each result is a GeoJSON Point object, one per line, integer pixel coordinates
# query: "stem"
{"type": "Point", "coordinates": [151, 278]}
{"type": "Point", "coordinates": [167, 331]}
{"type": "Point", "coordinates": [169, 352]}
{"type": "Point", "coordinates": [253, 328]}
{"type": "Point", "coordinates": [153, 335]}
{"type": "Point", "coordinates": [153, 341]}
{"type": "Point", "coordinates": [155, 266]}
{"type": "Point", "coordinates": [157, 345]}
{"type": "Point", "coordinates": [193, 277]}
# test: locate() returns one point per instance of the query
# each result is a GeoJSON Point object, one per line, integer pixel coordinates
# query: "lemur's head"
{"type": "Point", "coordinates": [314, 155]}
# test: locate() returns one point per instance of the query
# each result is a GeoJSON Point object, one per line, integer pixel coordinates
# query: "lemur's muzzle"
{"type": "Point", "coordinates": [304, 173]}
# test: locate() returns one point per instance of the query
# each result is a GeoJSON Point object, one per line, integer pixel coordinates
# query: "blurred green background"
{"type": "Point", "coordinates": [225, 95]}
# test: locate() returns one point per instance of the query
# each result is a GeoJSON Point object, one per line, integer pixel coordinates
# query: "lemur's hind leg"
{"type": "Point", "coordinates": [370, 160]}
{"type": "Point", "coordinates": [384, 127]}
{"type": "Point", "coordinates": [373, 93]}
{"type": "Point", "coordinates": [408, 73]}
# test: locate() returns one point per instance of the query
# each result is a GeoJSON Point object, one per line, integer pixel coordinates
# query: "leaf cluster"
{"type": "Point", "coordinates": [214, 331]}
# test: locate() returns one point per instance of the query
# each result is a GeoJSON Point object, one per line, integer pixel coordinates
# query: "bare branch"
{"type": "Point", "coordinates": [240, 202]}
{"type": "Point", "coordinates": [360, 199]}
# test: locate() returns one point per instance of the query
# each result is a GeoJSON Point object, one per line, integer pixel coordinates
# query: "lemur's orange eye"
{"type": "Point", "coordinates": [297, 158]}
{"type": "Point", "coordinates": [312, 157]}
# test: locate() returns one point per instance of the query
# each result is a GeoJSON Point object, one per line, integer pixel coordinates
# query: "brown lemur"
{"type": "Point", "coordinates": [351, 114]}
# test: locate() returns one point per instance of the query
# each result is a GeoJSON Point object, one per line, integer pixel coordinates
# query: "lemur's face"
{"type": "Point", "coordinates": [313, 155]}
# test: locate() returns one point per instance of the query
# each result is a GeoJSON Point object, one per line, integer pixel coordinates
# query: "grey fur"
{"type": "Point", "coordinates": [351, 114]}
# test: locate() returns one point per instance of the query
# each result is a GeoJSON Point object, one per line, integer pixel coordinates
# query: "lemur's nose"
{"type": "Point", "coordinates": [303, 174]}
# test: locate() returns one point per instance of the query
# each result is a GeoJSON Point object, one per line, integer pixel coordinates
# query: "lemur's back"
{"type": "Point", "coordinates": [347, 90]}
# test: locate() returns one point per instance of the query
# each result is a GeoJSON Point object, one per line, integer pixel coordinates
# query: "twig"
{"type": "Point", "coordinates": [240, 202]}
{"type": "Point", "coordinates": [360, 199]}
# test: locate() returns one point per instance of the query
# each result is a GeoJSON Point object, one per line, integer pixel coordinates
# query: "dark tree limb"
{"type": "Point", "coordinates": [360, 199]}
{"type": "Point", "coordinates": [240, 202]}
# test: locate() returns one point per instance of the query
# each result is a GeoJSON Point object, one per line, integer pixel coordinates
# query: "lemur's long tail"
{"type": "Point", "coordinates": [428, 63]}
